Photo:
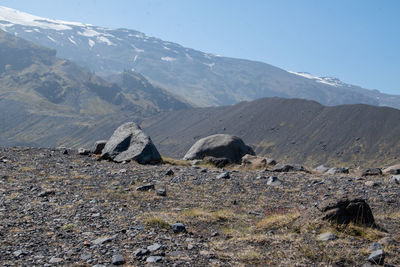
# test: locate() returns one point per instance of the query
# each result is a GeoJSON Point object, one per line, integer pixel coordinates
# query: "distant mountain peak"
{"type": "Point", "coordinates": [332, 81]}
{"type": "Point", "coordinates": [13, 16]}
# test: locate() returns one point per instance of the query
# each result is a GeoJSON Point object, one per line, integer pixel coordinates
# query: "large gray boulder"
{"type": "Point", "coordinates": [129, 142]}
{"type": "Point", "coordinates": [220, 146]}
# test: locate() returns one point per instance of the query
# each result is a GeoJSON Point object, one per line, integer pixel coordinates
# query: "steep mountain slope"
{"type": "Point", "coordinates": [290, 130]}
{"type": "Point", "coordinates": [202, 78]}
{"type": "Point", "coordinates": [48, 101]}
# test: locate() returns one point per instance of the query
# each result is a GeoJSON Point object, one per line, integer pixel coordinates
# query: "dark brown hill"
{"type": "Point", "coordinates": [290, 130]}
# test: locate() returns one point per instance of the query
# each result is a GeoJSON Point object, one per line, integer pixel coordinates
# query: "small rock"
{"type": "Point", "coordinates": [203, 170]}
{"type": "Point", "coordinates": [169, 172]}
{"type": "Point", "coordinates": [321, 169]}
{"type": "Point", "coordinates": [178, 228]}
{"type": "Point", "coordinates": [395, 179]}
{"type": "Point", "coordinates": [20, 252]}
{"type": "Point", "coordinates": [83, 151]}
{"type": "Point", "coordinates": [273, 180]}
{"type": "Point", "coordinates": [372, 171]}
{"type": "Point", "coordinates": [140, 252]}
{"type": "Point", "coordinates": [224, 175]}
{"type": "Point", "coordinates": [372, 183]}
{"type": "Point", "coordinates": [154, 247]}
{"type": "Point", "coordinates": [117, 259]}
{"type": "Point", "coordinates": [85, 256]}
{"type": "Point", "coordinates": [146, 187]}
{"type": "Point", "coordinates": [153, 259]}
{"type": "Point", "coordinates": [261, 177]}
{"type": "Point", "coordinates": [377, 257]}
{"type": "Point", "coordinates": [395, 169]}
{"type": "Point", "coordinates": [98, 147]}
{"type": "Point", "coordinates": [102, 240]}
{"type": "Point", "coordinates": [161, 192]}
{"type": "Point", "coordinates": [327, 236]}
{"type": "Point", "coordinates": [55, 260]}
{"type": "Point", "coordinates": [46, 193]}
{"type": "Point", "coordinates": [214, 234]}
{"type": "Point", "coordinates": [336, 170]}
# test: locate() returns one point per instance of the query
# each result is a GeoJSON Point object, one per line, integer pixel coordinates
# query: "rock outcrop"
{"type": "Point", "coordinates": [219, 146]}
{"type": "Point", "coordinates": [129, 142]}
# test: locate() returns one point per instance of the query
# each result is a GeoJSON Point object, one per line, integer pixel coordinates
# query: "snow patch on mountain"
{"type": "Point", "coordinates": [91, 43]}
{"type": "Point", "coordinates": [21, 18]}
{"type": "Point", "coordinates": [325, 80]}
{"type": "Point", "coordinates": [170, 59]}
{"type": "Point", "coordinates": [105, 40]}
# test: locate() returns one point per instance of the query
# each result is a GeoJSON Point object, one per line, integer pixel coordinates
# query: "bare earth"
{"type": "Point", "coordinates": [73, 210]}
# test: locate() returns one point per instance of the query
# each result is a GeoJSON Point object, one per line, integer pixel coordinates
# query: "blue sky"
{"type": "Point", "coordinates": [357, 41]}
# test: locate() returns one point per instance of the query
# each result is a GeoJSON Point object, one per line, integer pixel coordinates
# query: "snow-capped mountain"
{"type": "Point", "coordinates": [202, 78]}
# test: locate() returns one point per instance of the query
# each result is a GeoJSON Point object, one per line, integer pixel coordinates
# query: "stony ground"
{"type": "Point", "coordinates": [67, 209]}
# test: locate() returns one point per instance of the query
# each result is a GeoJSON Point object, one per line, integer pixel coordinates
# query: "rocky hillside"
{"type": "Point", "coordinates": [292, 130]}
{"type": "Point", "coordinates": [63, 209]}
{"type": "Point", "coordinates": [46, 101]}
{"type": "Point", "coordinates": [202, 78]}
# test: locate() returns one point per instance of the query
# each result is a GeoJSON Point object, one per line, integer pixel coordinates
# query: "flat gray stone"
{"type": "Point", "coordinates": [102, 240]}
{"type": "Point", "coordinates": [154, 247]}
{"type": "Point", "coordinates": [153, 259]}
{"type": "Point", "coordinates": [224, 175]}
{"type": "Point", "coordinates": [328, 236]}
{"type": "Point", "coordinates": [118, 259]}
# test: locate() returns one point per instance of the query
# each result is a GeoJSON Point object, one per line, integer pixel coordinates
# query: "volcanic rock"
{"type": "Point", "coordinates": [129, 142]}
{"type": "Point", "coordinates": [346, 210]}
{"type": "Point", "coordinates": [219, 146]}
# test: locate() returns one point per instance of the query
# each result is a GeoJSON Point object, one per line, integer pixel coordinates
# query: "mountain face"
{"type": "Point", "coordinates": [204, 79]}
{"type": "Point", "coordinates": [46, 101]}
{"type": "Point", "coordinates": [289, 130]}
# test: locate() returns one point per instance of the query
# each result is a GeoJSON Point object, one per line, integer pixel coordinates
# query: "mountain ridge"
{"type": "Point", "coordinates": [202, 78]}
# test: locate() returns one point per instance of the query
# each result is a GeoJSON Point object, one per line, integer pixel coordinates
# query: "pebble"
{"type": "Point", "coordinates": [20, 252]}
{"type": "Point", "coordinates": [153, 259]}
{"type": "Point", "coordinates": [102, 240]}
{"type": "Point", "coordinates": [224, 175]}
{"type": "Point", "coordinates": [161, 192]}
{"type": "Point", "coordinates": [154, 247]}
{"type": "Point", "coordinates": [55, 260]}
{"type": "Point", "coordinates": [117, 259]}
{"type": "Point", "coordinates": [140, 252]}
{"type": "Point", "coordinates": [146, 187]}
{"type": "Point", "coordinates": [169, 172]}
{"type": "Point", "coordinates": [178, 228]}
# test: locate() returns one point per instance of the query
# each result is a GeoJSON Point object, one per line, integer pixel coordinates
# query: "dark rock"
{"type": "Point", "coordinates": [395, 169]}
{"type": "Point", "coordinates": [178, 228]}
{"type": "Point", "coordinates": [217, 162]}
{"type": "Point", "coordinates": [146, 187]}
{"type": "Point", "coordinates": [153, 259]}
{"type": "Point", "coordinates": [129, 142]}
{"type": "Point", "coordinates": [373, 171]}
{"type": "Point", "coordinates": [117, 259]}
{"type": "Point", "coordinates": [82, 151]}
{"type": "Point", "coordinates": [169, 172]}
{"type": "Point", "coordinates": [98, 147]}
{"type": "Point", "coordinates": [346, 210]}
{"type": "Point", "coordinates": [287, 168]}
{"type": "Point", "coordinates": [203, 170]}
{"type": "Point", "coordinates": [377, 257]}
{"type": "Point", "coordinates": [46, 193]}
{"type": "Point", "coordinates": [224, 175]}
{"type": "Point", "coordinates": [140, 252]}
{"type": "Point", "coordinates": [219, 146]}
{"type": "Point", "coordinates": [336, 170]}
{"type": "Point", "coordinates": [161, 192]}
